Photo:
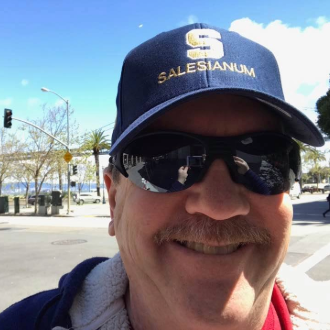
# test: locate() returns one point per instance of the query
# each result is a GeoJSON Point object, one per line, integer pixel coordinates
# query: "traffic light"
{"type": "Point", "coordinates": [74, 169]}
{"type": "Point", "coordinates": [73, 184]}
{"type": "Point", "coordinates": [7, 118]}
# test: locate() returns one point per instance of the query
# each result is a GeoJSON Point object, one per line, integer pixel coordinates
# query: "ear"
{"type": "Point", "coordinates": [111, 189]}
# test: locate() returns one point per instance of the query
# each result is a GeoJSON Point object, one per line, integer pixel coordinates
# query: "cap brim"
{"type": "Point", "coordinates": [297, 124]}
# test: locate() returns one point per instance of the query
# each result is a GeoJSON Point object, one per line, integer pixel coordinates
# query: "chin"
{"type": "Point", "coordinates": [215, 304]}
{"type": "Point", "coordinates": [230, 305]}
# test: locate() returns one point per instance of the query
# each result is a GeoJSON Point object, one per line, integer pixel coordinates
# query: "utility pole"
{"type": "Point", "coordinates": [103, 186]}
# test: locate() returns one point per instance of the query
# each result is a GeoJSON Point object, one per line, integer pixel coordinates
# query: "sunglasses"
{"type": "Point", "coordinates": [266, 163]}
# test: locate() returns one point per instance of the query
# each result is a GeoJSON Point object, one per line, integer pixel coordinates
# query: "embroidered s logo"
{"type": "Point", "coordinates": [205, 43]}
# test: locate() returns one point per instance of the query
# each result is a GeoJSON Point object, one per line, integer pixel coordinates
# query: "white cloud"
{"type": "Point", "coordinates": [61, 103]}
{"type": "Point", "coordinates": [24, 82]}
{"type": "Point", "coordinates": [6, 102]}
{"type": "Point", "coordinates": [189, 20]}
{"type": "Point", "coordinates": [141, 25]}
{"type": "Point", "coordinates": [192, 19]}
{"type": "Point", "coordinates": [321, 20]}
{"type": "Point", "coordinates": [33, 102]}
{"type": "Point", "coordinates": [302, 53]}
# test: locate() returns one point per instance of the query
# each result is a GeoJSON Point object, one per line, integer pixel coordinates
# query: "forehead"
{"type": "Point", "coordinates": [219, 115]}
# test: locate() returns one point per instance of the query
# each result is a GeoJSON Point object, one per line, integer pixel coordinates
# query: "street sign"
{"type": "Point", "coordinates": [67, 157]}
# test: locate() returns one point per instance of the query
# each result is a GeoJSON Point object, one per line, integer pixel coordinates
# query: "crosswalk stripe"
{"type": "Point", "coordinates": [313, 260]}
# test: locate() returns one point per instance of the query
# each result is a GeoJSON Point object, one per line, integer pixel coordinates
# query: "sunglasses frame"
{"type": "Point", "coordinates": [214, 147]}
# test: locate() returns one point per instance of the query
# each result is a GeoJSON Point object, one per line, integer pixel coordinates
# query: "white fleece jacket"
{"type": "Point", "coordinates": [100, 303]}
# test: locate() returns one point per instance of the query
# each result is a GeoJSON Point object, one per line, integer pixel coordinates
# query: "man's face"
{"type": "Point", "coordinates": [233, 287]}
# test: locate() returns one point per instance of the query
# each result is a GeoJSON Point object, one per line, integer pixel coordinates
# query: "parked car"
{"type": "Point", "coordinates": [312, 189]}
{"type": "Point", "coordinates": [87, 198]}
{"type": "Point", "coordinates": [326, 188]}
{"type": "Point", "coordinates": [306, 189]}
{"type": "Point", "coordinates": [32, 199]}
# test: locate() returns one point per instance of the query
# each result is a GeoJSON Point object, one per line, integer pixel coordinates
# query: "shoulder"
{"type": "Point", "coordinates": [39, 310]}
{"type": "Point", "coordinates": [176, 186]}
{"type": "Point", "coordinates": [100, 298]}
{"type": "Point", "coordinates": [26, 313]}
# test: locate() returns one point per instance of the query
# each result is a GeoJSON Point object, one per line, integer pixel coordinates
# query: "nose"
{"type": "Point", "coordinates": [217, 195]}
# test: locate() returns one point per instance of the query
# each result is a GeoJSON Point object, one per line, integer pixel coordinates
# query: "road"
{"type": "Point", "coordinates": [36, 251]}
{"type": "Point", "coordinates": [309, 247]}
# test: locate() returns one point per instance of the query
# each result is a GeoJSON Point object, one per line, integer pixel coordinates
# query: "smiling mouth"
{"type": "Point", "coordinates": [208, 249]}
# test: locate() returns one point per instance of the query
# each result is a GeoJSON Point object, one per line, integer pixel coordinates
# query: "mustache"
{"type": "Point", "coordinates": [200, 228]}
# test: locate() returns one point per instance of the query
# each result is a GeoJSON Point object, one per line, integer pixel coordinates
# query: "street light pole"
{"type": "Point", "coordinates": [44, 89]}
{"type": "Point", "coordinates": [103, 187]}
{"type": "Point", "coordinates": [68, 142]}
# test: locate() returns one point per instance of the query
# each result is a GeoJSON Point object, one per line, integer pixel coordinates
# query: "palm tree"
{"type": "Point", "coordinates": [97, 141]}
{"type": "Point", "coordinates": [304, 147]}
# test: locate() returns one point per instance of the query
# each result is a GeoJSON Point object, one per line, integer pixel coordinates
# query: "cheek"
{"type": "Point", "coordinates": [280, 219]}
{"type": "Point", "coordinates": [284, 214]}
{"type": "Point", "coordinates": [274, 213]}
{"type": "Point", "coordinates": [139, 215]}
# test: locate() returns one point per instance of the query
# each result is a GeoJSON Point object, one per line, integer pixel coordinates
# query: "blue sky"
{"type": "Point", "coordinates": [76, 48]}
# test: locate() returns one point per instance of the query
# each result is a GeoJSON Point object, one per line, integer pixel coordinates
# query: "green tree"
{"type": "Point", "coordinates": [86, 172]}
{"type": "Point", "coordinates": [323, 109]}
{"type": "Point", "coordinates": [42, 148]}
{"type": "Point", "coordinates": [23, 176]}
{"type": "Point", "coordinates": [96, 141]}
{"type": "Point", "coordinates": [60, 166]}
{"type": "Point", "coordinates": [306, 177]}
{"type": "Point", "coordinates": [304, 147]}
{"type": "Point", "coordinates": [10, 146]}
{"type": "Point", "coordinates": [325, 173]}
{"type": "Point", "coordinates": [315, 156]}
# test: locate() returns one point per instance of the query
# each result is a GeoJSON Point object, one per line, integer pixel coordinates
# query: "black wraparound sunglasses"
{"type": "Point", "coordinates": [266, 163]}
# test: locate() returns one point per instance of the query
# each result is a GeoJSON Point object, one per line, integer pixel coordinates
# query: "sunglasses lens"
{"type": "Point", "coordinates": [263, 164]}
{"type": "Point", "coordinates": [164, 162]}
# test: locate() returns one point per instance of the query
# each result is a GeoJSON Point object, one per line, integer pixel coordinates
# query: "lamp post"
{"type": "Point", "coordinates": [103, 202]}
{"type": "Point", "coordinates": [44, 89]}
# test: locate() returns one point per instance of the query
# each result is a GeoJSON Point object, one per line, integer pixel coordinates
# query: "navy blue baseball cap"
{"type": "Point", "coordinates": [194, 60]}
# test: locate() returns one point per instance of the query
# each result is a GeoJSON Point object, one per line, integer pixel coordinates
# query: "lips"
{"type": "Point", "coordinates": [208, 249]}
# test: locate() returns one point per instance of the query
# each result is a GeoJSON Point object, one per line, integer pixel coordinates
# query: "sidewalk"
{"type": "Point", "coordinates": [86, 210]}
{"type": "Point", "coordinates": [72, 222]}
{"type": "Point", "coordinates": [83, 216]}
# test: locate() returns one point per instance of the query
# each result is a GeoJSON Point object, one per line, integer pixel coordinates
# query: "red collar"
{"type": "Point", "coordinates": [278, 317]}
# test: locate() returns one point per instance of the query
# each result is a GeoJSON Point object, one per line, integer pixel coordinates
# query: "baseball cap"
{"type": "Point", "coordinates": [191, 61]}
